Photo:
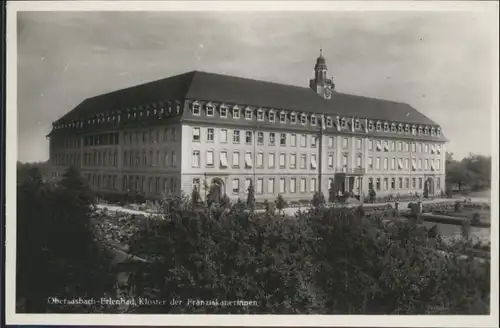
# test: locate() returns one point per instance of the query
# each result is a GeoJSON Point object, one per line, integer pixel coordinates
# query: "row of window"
{"type": "Point", "coordinates": [66, 159]}
{"type": "Point", "coordinates": [101, 158]}
{"type": "Point", "coordinates": [104, 139]}
{"type": "Point", "coordinates": [102, 181]}
{"type": "Point", "coordinates": [403, 164]}
{"type": "Point", "coordinates": [137, 159]}
{"type": "Point", "coordinates": [292, 140]}
{"type": "Point", "coordinates": [223, 161]}
{"type": "Point", "coordinates": [303, 118]}
{"type": "Point", "coordinates": [294, 185]}
{"type": "Point", "coordinates": [150, 136]}
{"type": "Point", "coordinates": [399, 183]}
{"type": "Point", "coordinates": [156, 185]}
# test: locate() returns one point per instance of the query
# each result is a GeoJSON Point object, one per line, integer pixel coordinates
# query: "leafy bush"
{"type": "Point", "coordinates": [322, 260]}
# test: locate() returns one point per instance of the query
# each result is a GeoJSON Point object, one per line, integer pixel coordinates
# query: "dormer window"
{"type": "Point", "coordinates": [343, 123]}
{"type": "Point", "coordinates": [386, 127]}
{"type": "Point", "coordinates": [379, 126]}
{"type": "Point", "coordinates": [426, 131]}
{"type": "Point", "coordinates": [196, 109]}
{"type": "Point", "coordinates": [260, 115]}
{"type": "Point", "coordinates": [282, 117]}
{"type": "Point", "coordinates": [438, 132]}
{"type": "Point", "coordinates": [393, 127]}
{"type": "Point", "coordinates": [400, 128]}
{"type": "Point", "coordinates": [293, 118]}
{"type": "Point", "coordinates": [357, 125]}
{"type": "Point", "coordinates": [433, 132]}
{"type": "Point", "coordinates": [236, 113]}
{"type": "Point", "coordinates": [420, 130]}
{"type": "Point", "coordinates": [209, 108]}
{"type": "Point", "coordinates": [248, 114]}
{"type": "Point", "coordinates": [272, 116]}
{"type": "Point", "coordinates": [329, 122]}
{"type": "Point", "coordinates": [178, 107]}
{"type": "Point", "coordinates": [313, 120]}
{"type": "Point", "coordinates": [162, 111]}
{"type": "Point", "coordinates": [223, 111]}
{"type": "Point", "coordinates": [303, 119]}
{"type": "Point", "coordinates": [414, 130]}
{"type": "Point", "coordinates": [407, 128]}
{"type": "Point", "coordinates": [370, 125]}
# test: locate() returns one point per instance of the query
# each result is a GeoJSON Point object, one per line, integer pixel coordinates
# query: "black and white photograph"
{"type": "Point", "coordinates": [200, 160]}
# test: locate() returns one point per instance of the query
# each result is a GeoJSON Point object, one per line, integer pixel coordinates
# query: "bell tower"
{"type": "Point", "coordinates": [321, 84]}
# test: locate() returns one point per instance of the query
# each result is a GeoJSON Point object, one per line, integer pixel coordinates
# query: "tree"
{"type": "Point", "coordinates": [195, 197]}
{"type": "Point", "coordinates": [225, 202]}
{"type": "Point", "coordinates": [280, 203]}
{"type": "Point", "coordinates": [57, 254]}
{"type": "Point", "coordinates": [251, 196]}
{"type": "Point", "coordinates": [331, 193]}
{"type": "Point", "coordinates": [318, 199]}
{"type": "Point", "coordinates": [426, 189]}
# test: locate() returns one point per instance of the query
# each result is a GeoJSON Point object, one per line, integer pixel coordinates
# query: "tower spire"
{"type": "Point", "coordinates": [321, 83]}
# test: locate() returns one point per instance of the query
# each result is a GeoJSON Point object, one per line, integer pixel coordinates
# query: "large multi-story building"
{"type": "Point", "coordinates": [221, 133]}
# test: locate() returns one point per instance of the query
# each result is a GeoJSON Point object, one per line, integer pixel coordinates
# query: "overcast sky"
{"type": "Point", "coordinates": [438, 62]}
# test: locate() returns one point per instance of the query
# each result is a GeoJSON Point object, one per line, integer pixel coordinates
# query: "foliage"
{"type": "Point", "coordinates": [57, 254]}
{"type": "Point", "coordinates": [225, 202]}
{"type": "Point", "coordinates": [426, 190]}
{"type": "Point", "coordinates": [280, 203]}
{"type": "Point", "coordinates": [251, 196]}
{"type": "Point", "coordinates": [322, 260]}
{"type": "Point", "coordinates": [472, 172]}
{"type": "Point", "coordinates": [331, 193]}
{"type": "Point", "coordinates": [195, 196]}
{"type": "Point", "coordinates": [373, 195]}
{"type": "Point", "coordinates": [318, 199]}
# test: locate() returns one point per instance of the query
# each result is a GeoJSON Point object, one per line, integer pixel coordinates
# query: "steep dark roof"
{"type": "Point", "coordinates": [198, 85]}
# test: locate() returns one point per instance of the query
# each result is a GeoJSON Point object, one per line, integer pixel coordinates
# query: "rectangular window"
{"type": "Point", "coordinates": [260, 115]}
{"type": "Point", "coordinates": [282, 160]}
{"type": "Point", "coordinates": [236, 186]}
{"type": "Point", "coordinates": [210, 158]}
{"type": "Point", "coordinates": [293, 140]}
{"type": "Point", "coordinates": [420, 164]}
{"type": "Point", "coordinates": [314, 141]}
{"type": "Point", "coordinates": [400, 146]}
{"type": "Point", "coordinates": [303, 119]}
{"type": "Point", "coordinates": [248, 160]}
{"type": "Point", "coordinates": [386, 183]}
{"type": "Point", "coordinates": [223, 159]}
{"type": "Point", "coordinates": [313, 161]}
{"type": "Point", "coordinates": [313, 185]}
{"type": "Point", "coordinates": [438, 164]}
{"type": "Point", "coordinates": [359, 161]}
{"type": "Point", "coordinates": [293, 119]}
{"type": "Point", "coordinates": [272, 117]}
{"type": "Point", "coordinates": [272, 138]}
{"type": "Point", "coordinates": [247, 185]}
{"type": "Point", "coordinates": [282, 185]}
{"type": "Point", "coordinates": [438, 183]}
{"type": "Point", "coordinates": [236, 159]}
{"type": "Point", "coordinates": [210, 134]}
{"type": "Point", "coordinates": [330, 142]}
{"type": "Point", "coordinates": [260, 186]}
{"type": "Point", "coordinates": [293, 185]}
{"type": "Point", "coordinates": [407, 163]}
{"type": "Point", "coordinates": [400, 183]}
{"type": "Point", "coordinates": [196, 158]}
{"type": "Point", "coordinates": [420, 186]}
{"type": "Point", "coordinates": [196, 134]}
{"type": "Point", "coordinates": [426, 165]}
{"type": "Point", "coordinates": [406, 147]}
{"type": "Point", "coordinates": [303, 185]}
{"type": "Point", "coordinates": [370, 163]}
{"type": "Point", "coordinates": [393, 163]}
{"type": "Point", "coordinates": [359, 143]}
{"type": "Point", "coordinates": [414, 183]}
{"type": "Point", "coordinates": [377, 163]}
{"type": "Point", "coordinates": [293, 161]}
{"type": "Point", "coordinates": [236, 113]}
{"type": "Point", "coordinates": [270, 186]}
{"type": "Point", "coordinates": [426, 148]}
{"type": "Point", "coordinates": [386, 161]}
{"type": "Point", "coordinates": [248, 114]}
{"type": "Point", "coordinates": [283, 139]}
{"type": "Point", "coordinates": [196, 109]}
{"type": "Point", "coordinates": [303, 140]}
{"type": "Point", "coordinates": [370, 145]}
{"type": "Point", "coordinates": [407, 183]}
{"type": "Point", "coordinates": [248, 137]}
{"type": "Point", "coordinates": [313, 120]}
{"type": "Point", "coordinates": [413, 147]}
{"type": "Point", "coordinates": [223, 136]}
{"type": "Point", "coordinates": [236, 136]}
{"type": "Point", "coordinates": [393, 183]}
{"type": "Point", "coordinates": [271, 161]}
{"type": "Point", "coordinates": [260, 160]}
{"type": "Point", "coordinates": [330, 160]}
{"type": "Point", "coordinates": [282, 117]}
{"type": "Point", "coordinates": [223, 112]}
{"type": "Point", "coordinates": [210, 110]}
{"type": "Point", "coordinates": [260, 138]}
{"type": "Point", "coordinates": [345, 143]}
{"type": "Point", "coordinates": [303, 160]}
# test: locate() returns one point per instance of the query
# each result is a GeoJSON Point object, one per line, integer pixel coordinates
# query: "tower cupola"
{"type": "Point", "coordinates": [321, 83]}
